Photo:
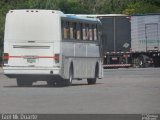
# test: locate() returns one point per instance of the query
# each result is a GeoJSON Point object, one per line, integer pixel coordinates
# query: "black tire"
{"type": "Point", "coordinates": [141, 62]}
{"type": "Point", "coordinates": [69, 81]}
{"type": "Point", "coordinates": [51, 83]}
{"type": "Point", "coordinates": [23, 82]}
{"type": "Point", "coordinates": [92, 81]}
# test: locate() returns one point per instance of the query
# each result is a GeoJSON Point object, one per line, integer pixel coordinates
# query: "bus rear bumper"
{"type": "Point", "coordinates": [14, 71]}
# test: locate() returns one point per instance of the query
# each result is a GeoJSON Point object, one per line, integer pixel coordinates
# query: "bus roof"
{"type": "Point", "coordinates": [97, 15]}
{"type": "Point", "coordinates": [85, 19]}
{"type": "Point", "coordinates": [61, 14]}
{"type": "Point", "coordinates": [35, 10]}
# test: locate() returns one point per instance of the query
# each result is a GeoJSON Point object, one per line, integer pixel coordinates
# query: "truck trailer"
{"type": "Point", "coordinates": [116, 40]}
{"type": "Point", "coordinates": [130, 41]}
{"type": "Point", "coordinates": [145, 38]}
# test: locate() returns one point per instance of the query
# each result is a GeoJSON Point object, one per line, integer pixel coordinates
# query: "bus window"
{"type": "Point", "coordinates": [75, 30]}
{"type": "Point", "coordinates": [84, 32]}
{"type": "Point", "coordinates": [81, 31]}
{"type": "Point", "coordinates": [95, 32]}
{"type": "Point", "coordinates": [87, 31]}
{"type": "Point", "coordinates": [78, 31]}
{"type": "Point", "coordinates": [99, 32]}
{"type": "Point", "coordinates": [71, 30]}
{"type": "Point", "coordinates": [64, 30]}
{"type": "Point", "coordinates": [90, 32]}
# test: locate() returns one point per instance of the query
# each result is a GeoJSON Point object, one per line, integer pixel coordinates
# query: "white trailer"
{"type": "Point", "coordinates": [51, 46]}
{"type": "Point", "coordinates": [145, 40]}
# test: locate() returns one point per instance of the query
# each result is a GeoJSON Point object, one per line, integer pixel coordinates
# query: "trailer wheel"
{"type": "Point", "coordinates": [23, 82]}
{"type": "Point", "coordinates": [143, 61]}
{"type": "Point", "coordinates": [140, 62]}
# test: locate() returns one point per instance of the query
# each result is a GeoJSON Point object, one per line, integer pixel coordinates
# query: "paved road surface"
{"type": "Point", "coordinates": [120, 91]}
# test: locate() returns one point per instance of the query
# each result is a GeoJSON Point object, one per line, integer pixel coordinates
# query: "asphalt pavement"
{"type": "Point", "coordinates": [129, 91]}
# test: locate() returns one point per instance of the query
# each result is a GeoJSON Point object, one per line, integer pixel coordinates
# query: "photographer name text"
{"type": "Point", "coordinates": [19, 117]}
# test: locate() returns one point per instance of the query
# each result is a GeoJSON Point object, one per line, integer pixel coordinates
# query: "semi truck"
{"type": "Point", "coordinates": [130, 41]}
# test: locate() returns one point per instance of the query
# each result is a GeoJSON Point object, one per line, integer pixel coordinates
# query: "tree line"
{"type": "Point", "coordinates": [80, 7]}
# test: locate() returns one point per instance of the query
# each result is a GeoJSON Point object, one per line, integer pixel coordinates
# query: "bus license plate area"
{"type": "Point", "coordinates": [31, 60]}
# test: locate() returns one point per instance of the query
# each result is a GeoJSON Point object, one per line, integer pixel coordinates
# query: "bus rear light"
{"type": "Point", "coordinates": [5, 58]}
{"type": "Point", "coordinates": [56, 58]}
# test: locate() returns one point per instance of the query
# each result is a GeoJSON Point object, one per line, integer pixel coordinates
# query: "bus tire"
{"type": "Point", "coordinates": [21, 82]}
{"type": "Point", "coordinates": [92, 81]}
{"type": "Point", "coordinates": [51, 83]}
{"type": "Point", "coordinates": [69, 81]}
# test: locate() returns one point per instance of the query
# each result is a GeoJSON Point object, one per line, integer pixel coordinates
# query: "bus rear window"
{"type": "Point", "coordinates": [21, 28]}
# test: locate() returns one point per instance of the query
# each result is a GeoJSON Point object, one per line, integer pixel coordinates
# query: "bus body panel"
{"type": "Point", "coordinates": [31, 40]}
{"type": "Point", "coordinates": [82, 55]}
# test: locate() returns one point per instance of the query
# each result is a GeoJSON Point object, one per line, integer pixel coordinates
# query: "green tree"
{"type": "Point", "coordinates": [73, 7]}
{"type": "Point", "coordinates": [4, 9]}
{"type": "Point", "coordinates": [141, 7]}
{"type": "Point", "coordinates": [43, 4]}
{"type": "Point", "coordinates": [79, 7]}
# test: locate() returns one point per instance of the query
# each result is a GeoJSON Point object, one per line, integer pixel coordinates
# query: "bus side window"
{"type": "Point", "coordinates": [99, 32]}
{"type": "Point", "coordinates": [74, 30]}
{"type": "Point", "coordinates": [64, 30]}
{"type": "Point", "coordinates": [81, 31]}
{"type": "Point", "coordinates": [95, 32]}
{"type": "Point", "coordinates": [78, 31]}
{"type": "Point", "coordinates": [90, 32]}
{"type": "Point", "coordinates": [84, 32]}
{"type": "Point", "coordinates": [87, 31]}
{"type": "Point", "coordinates": [71, 30]}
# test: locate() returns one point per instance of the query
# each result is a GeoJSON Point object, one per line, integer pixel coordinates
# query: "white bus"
{"type": "Point", "coordinates": [47, 45]}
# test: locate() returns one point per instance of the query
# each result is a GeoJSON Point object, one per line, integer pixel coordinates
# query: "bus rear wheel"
{"type": "Point", "coordinates": [69, 81]}
{"type": "Point", "coordinates": [51, 83]}
{"type": "Point", "coordinates": [92, 81]}
{"type": "Point", "coordinates": [22, 82]}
